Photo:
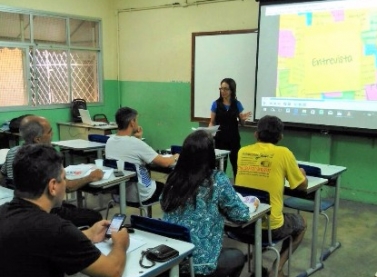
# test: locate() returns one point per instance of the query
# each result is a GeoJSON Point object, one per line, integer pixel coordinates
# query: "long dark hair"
{"type": "Point", "coordinates": [194, 169]}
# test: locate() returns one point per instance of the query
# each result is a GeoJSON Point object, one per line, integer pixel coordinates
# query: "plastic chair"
{"type": "Point", "coordinates": [176, 149]}
{"type": "Point", "coordinates": [267, 244]}
{"type": "Point", "coordinates": [163, 228]}
{"type": "Point", "coordinates": [100, 118]}
{"type": "Point", "coordinates": [98, 138]}
{"type": "Point", "coordinates": [145, 209]}
{"type": "Point", "coordinates": [307, 205]}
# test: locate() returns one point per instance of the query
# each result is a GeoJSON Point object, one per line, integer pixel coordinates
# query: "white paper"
{"type": "Point", "coordinates": [251, 201]}
{"type": "Point", "coordinates": [77, 171]}
{"type": "Point", "coordinates": [106, 173]}
{"type": "Point", "coordinates": [6, 194]}
{"type": "Point", "coordinates": [105, 246]}
{"type": "Point", "coordinates": [212, 129]}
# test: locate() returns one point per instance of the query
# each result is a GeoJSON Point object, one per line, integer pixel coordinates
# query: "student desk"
{"type": "Point", "coordinates": [133, 269]}
{"type": "Point", "coordinates": [219, 153]}
{"type": "Point", "coordinates": [113, 181]}
{"type": "Point", "coordinates": [314, 185]}
{"type": "Point", "coordinates": [80, 145]}
{"type": "Point", "coordinates": [257, 247]}
{"type": "Point", "coordinates": [72, 130]}
{"type": "Point", "coordinates": [6, 195]}
{"type": "Point", "coordinates": [332, 174]}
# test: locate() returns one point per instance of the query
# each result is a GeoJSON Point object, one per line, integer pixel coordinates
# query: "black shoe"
{"type": "Point", "coordinates": [264, 272]}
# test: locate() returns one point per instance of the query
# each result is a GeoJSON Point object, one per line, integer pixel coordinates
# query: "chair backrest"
{"type": "Point", "coordinates": [127, 166]}
{"type": "Point", "coordinates": [161, 227]}
{"type": "Point", "coordinates": [98, 138]}
{"type": "Point", "coordinates": [311, 170]}
{"type": "Point", "coordinates": [100, 117]}
{"type": "Point", "coordinates": [262, 195]}
{"type": "Point", "coordinates": [176, 149]}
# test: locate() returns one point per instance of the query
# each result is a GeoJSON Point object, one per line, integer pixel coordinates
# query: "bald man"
{"type": "Point", "coordinates": [37, 129]}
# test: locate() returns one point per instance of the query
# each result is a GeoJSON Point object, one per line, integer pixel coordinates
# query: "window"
{"type": "Point", "coordinates": [48, 59]}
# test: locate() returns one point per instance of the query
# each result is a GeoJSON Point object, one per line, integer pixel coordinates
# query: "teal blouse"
{"type": "Point", "coordinates": [206, 221]}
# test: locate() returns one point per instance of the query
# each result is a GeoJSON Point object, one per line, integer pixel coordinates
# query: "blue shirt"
{"type": "Point", "coordinates": [239, 106]}
{"type": "Point", "coordinates": [206, 222]}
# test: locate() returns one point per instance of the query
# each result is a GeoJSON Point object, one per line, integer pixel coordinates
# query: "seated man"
{"type": "Point", "coordinates": [265, 166]}
{"type": "Point", "coordinates": [128, 147]}
{"type": "Point", "coordinates": [37, 243]}
{"type": "Point", "coordinates": [36, 129]}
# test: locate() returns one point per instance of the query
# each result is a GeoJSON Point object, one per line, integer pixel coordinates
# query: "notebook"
{"type": "Point", "coordinates": [86, 119]}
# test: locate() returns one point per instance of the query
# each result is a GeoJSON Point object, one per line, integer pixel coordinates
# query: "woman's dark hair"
{"type": "Point", "coordinates": [270, 129]}
{"type": "Point", "coordinates": [194, 169]}
{"type": "Point", "coordinates": [33, 167]}
{"type": "Point", "coordinates": [232, 86]}
{"type": "Point", "coordinates": [124, 116]}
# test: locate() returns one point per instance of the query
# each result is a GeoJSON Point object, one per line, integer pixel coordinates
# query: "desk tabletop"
{"type": "Point", "coordinates": [6, 195]}
{"type": "Point", "coordinates": [83, 125]}
{"type": "Point", "coordinates": [221, 152]}
{"type": "Point", "coordinates": [314, 183]}
{"type": "Point", "coordinates": [149, 240]}
{"type": "Point", "coordinates": [258, 213]}
{"type": "Point", "coordinates": [79, 144]}
{"type": "Point", "coordinates": [112, 180]}
{"type": "Point", "coordinates": [327, 170]}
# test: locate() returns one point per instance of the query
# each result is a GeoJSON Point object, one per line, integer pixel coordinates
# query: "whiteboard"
{"type": "Point", "coordinates": [219, 55]}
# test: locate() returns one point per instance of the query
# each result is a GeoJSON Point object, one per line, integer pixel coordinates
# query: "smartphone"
{"type": "Point", "coordinates": [118, 173]}
{"type": "Point", "coordinates": [115, 224]}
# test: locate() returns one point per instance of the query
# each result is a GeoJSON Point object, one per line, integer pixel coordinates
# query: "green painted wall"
{"type": "Point", "coordinates": [164, 110]}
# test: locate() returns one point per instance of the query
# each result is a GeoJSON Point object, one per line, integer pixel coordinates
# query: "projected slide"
{"type": "Point", "coordinates": [317, 62]}
{"type": "Point", "coordinates": [325, 46]}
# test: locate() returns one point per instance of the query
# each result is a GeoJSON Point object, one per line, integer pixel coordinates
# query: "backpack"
{"type": "Point", "coordinates": [14, 124]}
{"type": "Point", "coordinates": [77, 104]}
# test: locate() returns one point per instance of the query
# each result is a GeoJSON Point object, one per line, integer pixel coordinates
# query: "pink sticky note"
{"type": "Point", "coordinates": [287, 43]}
{"type": "Point", "coordinates": [338, 15]}
{"type": "Point", "coordinates": [371, 92]}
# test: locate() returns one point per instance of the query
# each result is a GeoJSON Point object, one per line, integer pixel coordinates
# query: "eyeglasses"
{"type": "Point", "coordinates": [224, 89]}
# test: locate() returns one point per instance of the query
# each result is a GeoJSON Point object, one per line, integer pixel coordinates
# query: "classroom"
{"type": "Point", "coordinates": [146, 52]}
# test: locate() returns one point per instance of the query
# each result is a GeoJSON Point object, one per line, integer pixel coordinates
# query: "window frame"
{"type": "Point", "coordinates": [32, 46]}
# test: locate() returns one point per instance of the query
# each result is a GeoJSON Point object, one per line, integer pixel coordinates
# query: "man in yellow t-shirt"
{"type": "Point", "coordinates": [265, 166]}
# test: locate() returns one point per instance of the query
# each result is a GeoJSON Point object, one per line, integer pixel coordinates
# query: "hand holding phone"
{"type": "Point", "coordinates": [115, 224]}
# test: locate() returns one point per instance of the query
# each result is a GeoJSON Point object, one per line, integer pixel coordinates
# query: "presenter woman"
{"type": "Point", "coordinates": [226, 111]}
